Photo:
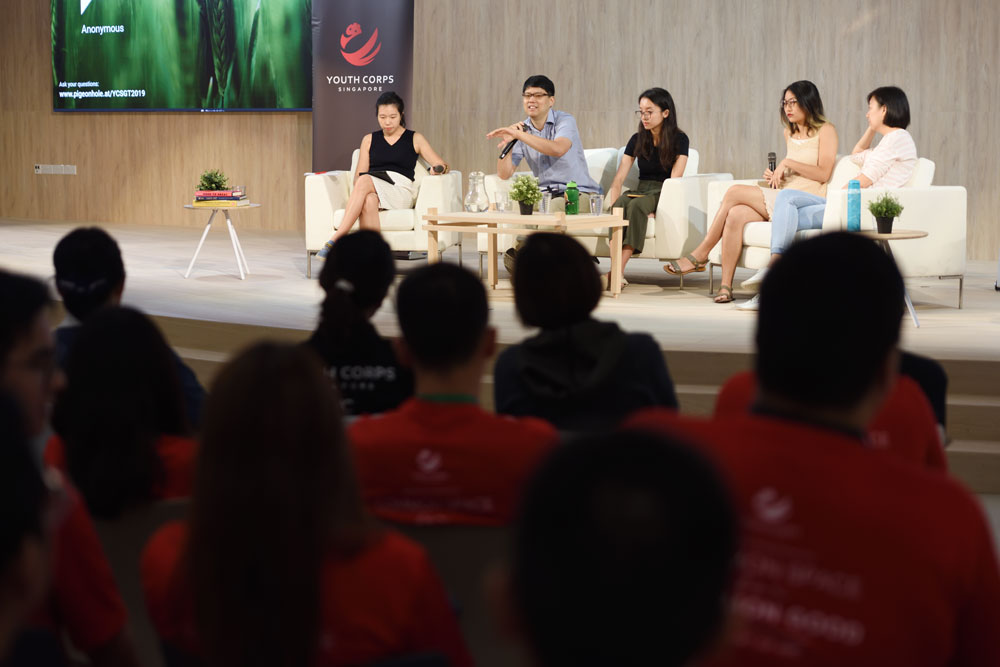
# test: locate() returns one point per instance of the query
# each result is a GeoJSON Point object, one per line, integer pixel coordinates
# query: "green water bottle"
{"type": "Point", "coordinates": [572, 198]}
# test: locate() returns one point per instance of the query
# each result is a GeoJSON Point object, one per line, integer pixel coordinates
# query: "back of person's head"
{"type": "Point", "coordinates": [89, 270]}
{"type": "Point", "coordinates": [23, 498]}
{"type": "Point", "coordinates": [122, 395]}
{"type": "Point", "coordinates": [897, 106]}
{"type": "Point", "coordinates": [623, 553]}
{"type": "Point", "coordinates": [556, 283]}
{"type": "Point", "coordinates": [22, 300]}
{"type": "Point", "coordinates": [356, 278]}
{"type": "Point", "coordinates": [540, 81]}
{"type": "Point", "coordinates": [808, 99]}
{"type": "Point", "coordinates": [826, 350]}
{"type": "Point", "coordinates": [443, 315]}
{"type": "Point", "coordinates": [275, 492]}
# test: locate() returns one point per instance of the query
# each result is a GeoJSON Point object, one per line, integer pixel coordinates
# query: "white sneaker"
{"type": "Point", "coordinates": [752, 304]}
{"type": "Point", "coordinates": [755, 280]}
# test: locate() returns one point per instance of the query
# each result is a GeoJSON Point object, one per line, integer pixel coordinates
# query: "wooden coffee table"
{"type": "Point", "coordinates": [883, 241]}
{"type": "Point", "coordinates": [488, 222]}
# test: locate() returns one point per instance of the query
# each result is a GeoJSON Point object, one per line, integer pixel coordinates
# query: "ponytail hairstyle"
{"type": "Point", "coordinates": [391, 98]}
{"type": "Point", "coordinates": [356, 278]}
{"type": "Point", "coordinates": [668, 130]}
{"type": "Point", "coordinates": [808, 99]}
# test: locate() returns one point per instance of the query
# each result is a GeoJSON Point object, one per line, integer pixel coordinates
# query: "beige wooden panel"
{"type": "Point", "coordinates": [725, 62]}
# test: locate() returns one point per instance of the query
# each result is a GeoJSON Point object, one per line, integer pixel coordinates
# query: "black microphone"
{"type": "Point", "coordinates": [772, 163]}
{"type": "Point", "coordinates": [510, 144]}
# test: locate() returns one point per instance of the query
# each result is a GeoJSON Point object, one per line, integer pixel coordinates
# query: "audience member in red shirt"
{"type": "Point", "coordinates": [905, 425]}
{"type": "Point", "coordinates": [623, 554]}
{"type": "Point", "coordinates": [440, 458]}
{"type": "Point", "coordinates": [84, 600]}
{"type": "Point", "coordinates": [121, 419]}
{"type": "Point", "coordinates": [279, 564]}
{"type": "Point", "coordinates": [848, 557]}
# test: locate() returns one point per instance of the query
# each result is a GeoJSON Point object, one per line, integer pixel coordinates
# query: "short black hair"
{"type": "Point", "coordinates": [623, 553]}
{"type": "Point", "coordinates": [22, 492]}
{"type": "Point", "coordinates": [89, 268]}
{"type": "Point", "coordinates": [442, 313]}
{"type": "Point", "coordinates": [390, 97]}
{"type": "Point", "coordinates": [556, 282]}
{"type": "Point", "coordinates": [22, 299]}
{"type": "Point", "coordinates": [540, 81]}
{"type": "Point", "coordinates": [897, 107]}
{"type": "Point", "coordinates": [825, 350]}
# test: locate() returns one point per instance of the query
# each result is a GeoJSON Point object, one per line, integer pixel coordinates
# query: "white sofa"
{"type": "Point", "coordinates": [938, 210]}
{"type": "Point", "coordinates": [680, 221]}
{"type": "Point", "coordinates": [327, 194]}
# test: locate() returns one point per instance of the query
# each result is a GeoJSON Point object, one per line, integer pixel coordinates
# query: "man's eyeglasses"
{"type": "Point", "coordinates": [534, 96]}
{"type": "Point", "coordinates": [789, 104]}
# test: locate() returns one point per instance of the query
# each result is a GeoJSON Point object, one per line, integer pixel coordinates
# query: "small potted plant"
{"type": "Point", "coordinates": [213, 179]}
{"type": "Point", "coordinates": [885, 209]}
{"type": "Point", "coordinates": [525, 191]}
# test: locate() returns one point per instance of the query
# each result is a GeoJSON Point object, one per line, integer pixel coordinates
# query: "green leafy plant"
{"type": "Point", "coordinates": [885, 206]}
{"type": "Point", "coordinates": [213, 179]}
{"type": "Point", "coordinates": [525, 189]}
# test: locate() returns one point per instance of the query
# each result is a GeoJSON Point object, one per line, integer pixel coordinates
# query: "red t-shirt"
{"type": "Point", "coordinates": [176, 453]}
{"type": "Point", "coordinates": [848, 558]}
{"type": "Point", "coordinates": [905, 425]}
{"type": "Point", "coordinates": [434, 462]}
{"type": "Point", "coordinates": [84, 599]}
{"type": "Point", "coordinates": [386, 601]}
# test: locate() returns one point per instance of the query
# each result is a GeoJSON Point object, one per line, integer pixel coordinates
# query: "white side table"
{"type": "Point", "coordinates": [241, 260]}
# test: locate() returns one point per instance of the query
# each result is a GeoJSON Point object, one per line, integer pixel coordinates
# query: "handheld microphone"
{"type": "Point", "coordinates": [772, 163]}
{"type": "Point", "coordinates": [510, 144]}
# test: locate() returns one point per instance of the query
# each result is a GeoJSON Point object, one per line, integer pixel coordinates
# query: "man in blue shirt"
{"type": "Point", "coordinates": [550, 142]}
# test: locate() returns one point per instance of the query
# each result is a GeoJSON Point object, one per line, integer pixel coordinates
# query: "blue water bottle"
{"type": "Point", "coordinates": [854, 206]}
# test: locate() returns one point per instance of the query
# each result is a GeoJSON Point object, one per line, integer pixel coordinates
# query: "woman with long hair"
{"type": "Point", "coordinates": [279, 563]}
{"type": "Point", "coordinates": [384, 175]}
{"type": "Point", "coordinates": [811, 143]}
{"type": "Point", "coordinates": [661, 150]}
{"type": "Point", "coordinates": [360, 363]}
{"type": "Point", "coordinates": [121, 428]}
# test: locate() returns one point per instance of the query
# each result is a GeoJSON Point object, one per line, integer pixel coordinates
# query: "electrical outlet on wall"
{"type": "Point", "coordinates": [66, 169]}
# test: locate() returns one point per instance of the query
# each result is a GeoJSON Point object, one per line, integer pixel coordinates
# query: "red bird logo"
{"type": "Point", "coordinates": [366, 53]}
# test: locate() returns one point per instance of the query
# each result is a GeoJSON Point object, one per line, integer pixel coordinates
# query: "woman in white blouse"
{"type": "Point", "coordinates": [888, 165]}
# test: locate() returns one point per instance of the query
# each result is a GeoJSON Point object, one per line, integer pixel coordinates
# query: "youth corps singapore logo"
{"type": "Point", "coordinates": [361, 57]}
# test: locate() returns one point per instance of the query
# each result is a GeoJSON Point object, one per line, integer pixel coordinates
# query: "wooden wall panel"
{"type": "Point", "coordinates": [725, 62]}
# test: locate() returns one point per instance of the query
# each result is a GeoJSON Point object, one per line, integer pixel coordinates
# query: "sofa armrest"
{"type": "Point", "coordinates": [681, 213]}
{"type": "Point", "coordinates": [325, 193]}
{"type": "Point", "coordinates": [443, 192]}
{"type": "Point", "coordinates": [939, 210]}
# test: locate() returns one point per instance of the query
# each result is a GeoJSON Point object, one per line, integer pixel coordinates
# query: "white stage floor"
{"type": "Point", "coordinates": [276, 292]}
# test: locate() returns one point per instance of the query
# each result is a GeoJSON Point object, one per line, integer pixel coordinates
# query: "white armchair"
{"type": "Point", "coordinates": [680, 220]}
{"type": "Point", "coordinates": [327, 194]}
{"type": "Point", "coordinates": [938, 210]}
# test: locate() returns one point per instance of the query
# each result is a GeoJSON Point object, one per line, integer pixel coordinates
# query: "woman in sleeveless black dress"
{"type": "Point", "coordinates": [386, 164]}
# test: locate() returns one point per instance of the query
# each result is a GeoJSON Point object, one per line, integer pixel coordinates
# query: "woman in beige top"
{"type": "Point", "coordinates": [811, 143]}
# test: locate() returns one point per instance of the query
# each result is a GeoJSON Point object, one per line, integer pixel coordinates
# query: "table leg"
{"type": "Point", "coordinates": [615, 282]}
{"type": "Point", "coordinates": [491, 258]}
{"type": "Point", "coordinates": [906, 295]}
{"type": "Point", "coordinates": [432, 247]}
{"type": "Point", "coordinates": [232, 237]}
{"type": "Point", "coordinates": [200, 243]}
{"type": "Point", "coordinates": [239, 246]}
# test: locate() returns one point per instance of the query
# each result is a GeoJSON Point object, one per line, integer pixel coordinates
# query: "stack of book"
{"type": "Point", "coordinates": [221, 198]}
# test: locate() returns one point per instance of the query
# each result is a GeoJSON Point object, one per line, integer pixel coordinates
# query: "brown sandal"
{"type": "Point", "coordinates": [673, 268]}
{"type": "Point", "coordinates": [725, 294]}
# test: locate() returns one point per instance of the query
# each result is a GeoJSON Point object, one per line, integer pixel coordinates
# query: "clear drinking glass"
{"type": "Point", "coordinates": [503, 202]}
{"type": "Point", "coordinates": [596, 204]}
{"type": "Point", "coordinates": [546, 201]}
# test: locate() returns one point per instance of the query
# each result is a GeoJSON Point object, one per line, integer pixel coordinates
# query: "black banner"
{"type": "Point", "coordinates": [361, 49]}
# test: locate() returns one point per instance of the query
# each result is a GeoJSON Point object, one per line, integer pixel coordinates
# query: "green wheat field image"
{"type": "Point", "coordinates": [181, 54]}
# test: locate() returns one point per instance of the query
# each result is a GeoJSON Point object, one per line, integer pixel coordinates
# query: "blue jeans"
{"type": "Point", "coordinates": [794, 210]}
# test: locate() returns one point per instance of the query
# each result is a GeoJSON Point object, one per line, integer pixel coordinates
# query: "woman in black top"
{"type": "Point", "coordinates": [359, 362]}
{"type": "Point", "coordinates": [662, 150]}
{"type": "Point", "coordinates": [386, 163]}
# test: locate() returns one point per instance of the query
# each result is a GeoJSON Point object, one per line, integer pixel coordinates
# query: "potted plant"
{"type": "Point", "coordinates": [525, 191]}
{"type": "Point", "coordinates": [885, 209]}
{"type": "Point", "coordinates": [213, 179]}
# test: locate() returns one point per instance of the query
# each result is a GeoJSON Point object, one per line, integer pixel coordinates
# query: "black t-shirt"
{"type": "Point", "coordinates": [651, 169]}
{"type": "Point", "coordinates": [365, 371]}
